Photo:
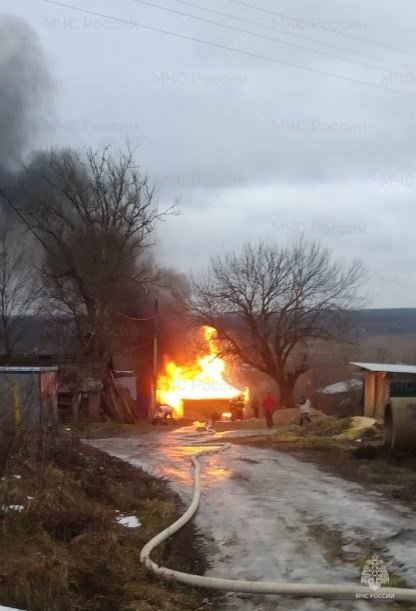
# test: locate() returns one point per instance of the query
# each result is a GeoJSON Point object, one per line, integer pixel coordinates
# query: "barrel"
{"type": "Point", "coordinates": [400, 427]}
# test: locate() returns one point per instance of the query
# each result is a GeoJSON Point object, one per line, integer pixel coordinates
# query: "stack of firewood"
{"type": "Point", "coordinates": [116, 403]}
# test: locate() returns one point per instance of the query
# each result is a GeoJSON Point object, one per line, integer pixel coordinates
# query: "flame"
{"type": "Point", "coordinates": [202, 379]}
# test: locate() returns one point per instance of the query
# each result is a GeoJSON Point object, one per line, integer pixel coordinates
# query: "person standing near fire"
{"type": "Point", "coordinates": [269, 404]}
{"type": "Point", "coordinates": [305, 408]}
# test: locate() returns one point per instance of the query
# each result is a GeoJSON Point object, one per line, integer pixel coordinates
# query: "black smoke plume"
{"type": "Point", "coordinates": [26, 89]}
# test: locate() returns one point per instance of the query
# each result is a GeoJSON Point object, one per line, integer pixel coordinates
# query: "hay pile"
{"type": "Point", "coordinates": [358, 428]}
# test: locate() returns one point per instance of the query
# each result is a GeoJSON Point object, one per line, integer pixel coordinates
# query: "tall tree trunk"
{"type": "Point", "coordinates": [286, 388]}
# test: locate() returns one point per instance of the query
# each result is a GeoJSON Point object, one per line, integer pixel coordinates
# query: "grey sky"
{"type": "Point", "coordinates": [251, 147]}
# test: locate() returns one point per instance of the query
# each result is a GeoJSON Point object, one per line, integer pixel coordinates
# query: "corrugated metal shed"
{"type": "Point", "coordinates": [386, 367]}
{"type": "Point", "coordinates": [34, 390]}
{"type": "Point", "coordinates": [26, 369]}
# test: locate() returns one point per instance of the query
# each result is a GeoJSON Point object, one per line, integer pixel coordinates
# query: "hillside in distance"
{"type": "Point", "coordinates": [381, 322]}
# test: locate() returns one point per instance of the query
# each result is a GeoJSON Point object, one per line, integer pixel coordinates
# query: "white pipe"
{"type": "Point", "coordinates": [254, 587]}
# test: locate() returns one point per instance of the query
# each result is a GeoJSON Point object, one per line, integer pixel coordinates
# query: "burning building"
{"type": "Point", "coordinates": [199, 389]}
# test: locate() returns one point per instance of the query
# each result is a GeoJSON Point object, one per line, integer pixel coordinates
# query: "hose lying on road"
{"type": "Point", "coordinates": [254, 587]}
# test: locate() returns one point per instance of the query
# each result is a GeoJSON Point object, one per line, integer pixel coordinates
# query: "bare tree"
{"type": "Point", "coordinates": [17, 288]}
{"type": "Point", "coordinates": [271, 304]}
{"type": "Point", "coordinates": [96, 215]}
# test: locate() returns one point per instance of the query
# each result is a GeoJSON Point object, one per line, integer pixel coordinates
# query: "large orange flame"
{"type": "Point", "coordinates": [203, 379]}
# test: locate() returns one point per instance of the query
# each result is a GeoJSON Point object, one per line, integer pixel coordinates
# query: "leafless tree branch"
{"type": "Point", "coordinates": [270, 304]}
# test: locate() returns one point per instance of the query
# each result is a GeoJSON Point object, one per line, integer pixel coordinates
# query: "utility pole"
{"type": "Point", "coordinates": [16, 405]}
{"type": "Point", "coordinates": [155, 358]}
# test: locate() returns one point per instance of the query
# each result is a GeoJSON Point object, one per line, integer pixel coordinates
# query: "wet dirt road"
{"type": "Point", "coordinates": [269, 516]}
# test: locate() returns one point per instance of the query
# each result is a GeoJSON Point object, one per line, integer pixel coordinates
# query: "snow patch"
{"type": "Point", "coordinates": [344, 386]}
{"type": "Point", "coordinates": [129, 521]}
{"type": "Point", "coordinates": [12, 508]}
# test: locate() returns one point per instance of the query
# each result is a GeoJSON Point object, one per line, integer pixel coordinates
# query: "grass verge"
{"type": "Point", "coordinates": [62, 548]}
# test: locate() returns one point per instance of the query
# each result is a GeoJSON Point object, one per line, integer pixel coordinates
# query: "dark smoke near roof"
{"type": "Point", "coordinates": [25, 87]}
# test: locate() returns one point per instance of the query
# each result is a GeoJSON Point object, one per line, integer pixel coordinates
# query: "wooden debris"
{"type": "Point", "coordinates": [116, 403]}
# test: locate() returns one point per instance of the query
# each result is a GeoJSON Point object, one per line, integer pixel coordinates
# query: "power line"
{"type": "Point", "coordinates": [324, 28]}
{"type": "Point", "coordinates": [256, 34]}
{"type": "Point", "coordinates": [291, 34]}
{"type": "Point", "coordinates": [227, 48]}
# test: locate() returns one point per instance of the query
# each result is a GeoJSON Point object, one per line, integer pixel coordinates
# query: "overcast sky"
{"type": "Point", "coordinates": [251, 147]}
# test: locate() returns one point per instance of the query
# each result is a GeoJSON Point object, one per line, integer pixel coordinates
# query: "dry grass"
{"type": "Point", "coordinates": [65, 550]}
{"type": "Point", "coordinates": [100, 430]}
{"type": "Point", "coordinates": [322, 433]}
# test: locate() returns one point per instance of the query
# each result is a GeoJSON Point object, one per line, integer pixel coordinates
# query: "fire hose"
{"type": "Point", "coordinates": [252, 587]}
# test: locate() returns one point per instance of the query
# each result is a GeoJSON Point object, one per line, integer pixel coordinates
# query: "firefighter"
{"type": "Point", "coordinates": [163, 412]}
{"type": "Point", "coordinates": [255, 407]}
{"type": "Point", "coordinates": [239, 407]}
{"type": "Point", "coordinates": [232, 406]}
{"type": "Point", "coordinates": [269, 404]}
